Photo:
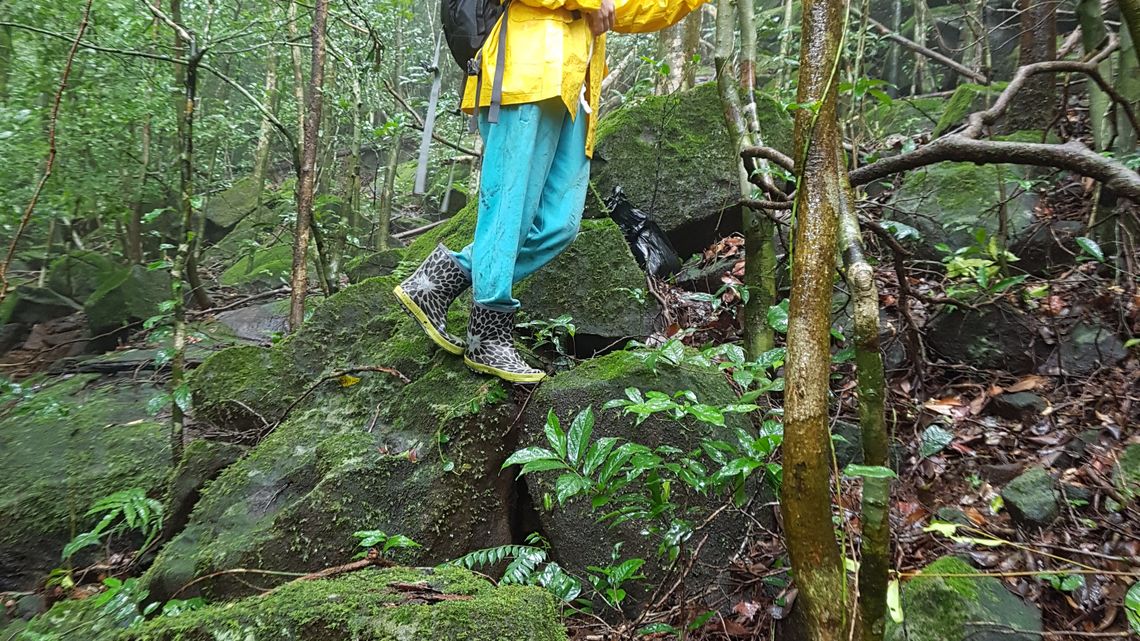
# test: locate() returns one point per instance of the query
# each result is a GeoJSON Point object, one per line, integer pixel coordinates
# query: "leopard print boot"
{"type": "Point", "coordinates": [428, 293]}
{"type": "Point", "coordinates": [491, 347]}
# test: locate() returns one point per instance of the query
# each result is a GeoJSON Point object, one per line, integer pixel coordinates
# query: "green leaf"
{"type": "Point", "coordinates": [934, 440]}
{"type": "Point", "coordinates": [894, 602]}
{"type": "Point", "coordinates": [597, 454]}
{"type": "Point", "coordinates": [578, 438]}
{"type": "Point", "coordinates": [528, 455]}
{"type": "Point", "coordinates": [568, 485]}
{"type": "Point", "coordinates": [673, 351]}
{"type": "Point", "coordinates": [870, 472]}
{"type": "Point", "coordinates": [82, 540]}
{"type": "Point", "coordinates": [1092, 248]}
{"type": "Point", "coordinates": [182, 397]}
{"type": "Point", "coordinates": [554, 434]}
{"type": "Point", "coordinates": [778, 317]}
{"type": "Point", "coordinates": [1132, 607]}
{"type": "Point", "coordinates": [399, 541]}
{"type": "Point", "coordinates": [543, 465]}
{"type": "Point", "coordinates": [658, 628]}
{"type": "Point", "coordinates": [706, 414]}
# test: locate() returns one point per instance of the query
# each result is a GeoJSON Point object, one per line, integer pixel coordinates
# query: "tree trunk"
{"type": "Point", "coordinates": [744, 127]}
{"type": "Point", "coordinates": [806, 495]}
{"type": "Point", "coordinates": [355, 184]}
{"type": "Point", "coordinates": [672, 55]}
{"type": "Point", "coordinates": [7, 54]}
{"type": "Point", "coordinates": [1128, 85]}
{"type": "Point", "coordinates": [875, 552]}
{"type": "Point", "coordinates": [384, 217]}
{"type": "Point", "coordinates": [691, 47]}
{"type": "Point", "coordinates": [179, 391]}
{"type": "Point", "coordinates": [1035, 105]}
{"type": "Point", "coordinates": [265, 133]}
{"type": "Point", "coordinates": [298, 73]}
{"type": "Point", "coordinates": [307, 172]}
{"type": "Point", "coordinates": [1130, 11]}
{"type": "Point", "coordinates": [134, 221]}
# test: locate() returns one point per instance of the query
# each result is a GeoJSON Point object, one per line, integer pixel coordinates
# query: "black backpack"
{"type": "Point", "coordinates": [466, 24]}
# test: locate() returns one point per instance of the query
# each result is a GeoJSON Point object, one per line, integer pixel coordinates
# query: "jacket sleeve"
{"type": "Point", "coordinates": [643, 16]}
{"type": "Point", "coordinates": [570, 5]}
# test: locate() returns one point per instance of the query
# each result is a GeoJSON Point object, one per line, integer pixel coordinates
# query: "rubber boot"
{"type": "Point", "coordinates": [491, 347]}
{"type": "Point", "coordinates": [428, 293]}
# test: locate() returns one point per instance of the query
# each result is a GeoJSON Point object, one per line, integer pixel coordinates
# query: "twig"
{"type": "Point", "coordinates": [372, 560]}
{"type": "Point", "coordinates": [240, 302]}
{"type": "Point", "coordinates": [214, 575]}
{"type": "Point", "coordinates": [420, 121]}
{"type": "Point", "coordinates": [941, 59]}
{"type": "Point", "coordinates": [419, 230]}
{"type": "Point", "coordinates": [49, 165]}
{"type": "Point", "coordinates": [331, 377]}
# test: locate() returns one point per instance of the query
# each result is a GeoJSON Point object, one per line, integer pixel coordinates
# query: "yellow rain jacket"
{"type": "Point", "coordinates": [549, 51]}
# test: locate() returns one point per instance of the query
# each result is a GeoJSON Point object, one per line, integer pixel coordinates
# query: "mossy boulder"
{"type": "Point", "coordinates": [593, 281]}
{"type": "Point", "coordinates": [202, 462]}
{"type": "Point", "coordinates": [372, 605]}
{"type": "Point", "coordinates": [577, 537]}
{"type": "Point", "coordinates": [261, 323]}
{"type": "Point", "coordinates": [133, 295]}
{"type": "Point", "coordinates": [673, 157]}
{"type": "Point", "coordinates": [372, 265]}
{"type": "Point", "coordinates": [236, 205]}
{"type": "Point", "coordinates": [968, 98]}
{"type": "Point", "coordinates": [957, 608]}
{"type": "Point", "coordinates": [905, 116]}
{"type": "Point", "coordinates": [79, 274]}
{"type": "Point", "coordinates": [1030, 498]}
{"type": "Point", "coordinates": [368, 452]}
{"type": "Point", "coordinates": [261, 269]}
{"type": "Point", "coordinates": [63, 445]}
{"type": "Point", "coordinates": [28, 305]}
{"type": "Point", "coordinates": [948, 202]}
{"type": "Point", "coordinates": [995, 337]}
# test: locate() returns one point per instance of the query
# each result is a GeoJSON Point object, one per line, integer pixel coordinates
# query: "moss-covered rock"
{"type": "Point", "coordinates": [132, 295]}
{"type": "Point", "coordinates": [592, 281]}
{"type": "Point", "coordinates": [372, 265]}
{"type": "Point", "coordinates": [957, 608]}
{"type": "Point", "coordinates": [29, 305]}
{"type": "Point", "coordinates": [64, 445]}
{"type": "Point", "coordinates": [967, 98]}
{"type": "Point", "coordinates": [1031, 500]}
{"type": "Point", "coordinates": [948, 202]}
{"type": "Point", "coordinates": [79, 274]}
{"type": "Point", "coordinates": [673, 157]}
{"type": "Point", "coordinates": [905, 116]}
{"type": "Point", "coordinates": [261, 269]}
{"type": "Point", "coordinates": [420, 459]}
{"type": "Point", "coordinates": [997, 337]}
{"type": "Point", "coordinates": [577, 538]}
{"type": "Point", "coordinates": [1089, 346]}
{"type": "Point", "coordinates": [202, 462]}
{"type": "Point", "coordinates": [364, 606]}
{"type": "Point", "coordinates": [238, 204]}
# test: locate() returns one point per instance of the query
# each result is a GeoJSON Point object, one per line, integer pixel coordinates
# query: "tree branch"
{"type": "Point", "coordinates": [941, 59]}
{"type": "Point", "coordinates": [420, 122]}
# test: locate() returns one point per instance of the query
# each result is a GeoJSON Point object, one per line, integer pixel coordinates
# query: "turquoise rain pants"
{"type": "Point", "coordinates": [533, 189]}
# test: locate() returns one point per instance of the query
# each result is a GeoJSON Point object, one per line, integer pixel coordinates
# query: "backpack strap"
{"type": "Point", "coordinates": [500, 68]}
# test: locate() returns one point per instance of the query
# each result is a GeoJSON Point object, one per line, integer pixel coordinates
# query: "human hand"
{"type": "Point", "coordinates": [602, 20]}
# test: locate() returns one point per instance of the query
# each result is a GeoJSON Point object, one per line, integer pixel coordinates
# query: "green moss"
{"type": "Point", "coordinates": [456, 234]}
{"type": "Point", "coordinates": [65, 446]}
{"type": "Point", "coordinates": [1128, 472]}
{"type": "Point", "coordinates": [967, 98]}
{"type": "Point", "coordinates": [79, 274]}
{"type": "Point", "coordinates": [956, 608]}
{"type": "Point", "coordinates": [264, 267]}
{"type": "Point", "coordinates": [373, 265]}
{"type": "Point", "coordinates": [131, 295]}
{"type": "Point", "coordinates": [231, 206]}
{"type": "Point", "coordinates": [243, 388]}
{"type": "Point", "coordinates": [905, 116]}
{"type": "Point", "coordinates": [363, 606]}
{"type": "Point", "coordinates": [673, 157]}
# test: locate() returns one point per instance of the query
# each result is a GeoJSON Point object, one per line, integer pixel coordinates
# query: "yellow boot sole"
{"type": "Point", "coordinates": [425, 324]}
{"type": "Point", "coordinates": [510, 377]}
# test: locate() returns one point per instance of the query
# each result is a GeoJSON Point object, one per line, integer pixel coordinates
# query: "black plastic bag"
{"type": "Point", "coordinates": [650, 245]}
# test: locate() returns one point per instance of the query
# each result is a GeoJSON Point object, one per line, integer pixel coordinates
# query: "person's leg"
{"type": "Point", "coordinates": [517, 154]}
{"type": "Point", "coordinates": [562, 201]}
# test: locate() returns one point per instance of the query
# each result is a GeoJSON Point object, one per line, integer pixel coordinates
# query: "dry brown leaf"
{"type": "Point", "coordinates": [1026, 384]}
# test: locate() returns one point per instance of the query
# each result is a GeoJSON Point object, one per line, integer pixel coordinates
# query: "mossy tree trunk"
{"type": "Point", "coordinates": [691, 46]}
{"type": "Point", "coordinates": [744, 129]}
{"type": "Point", "coordinates": [1130, 11]}
{"type": "Point", "coordinates": [1093, 34]}
{"type": "Point", "coordinates": [806, 495]}
{"type": "Point", "coordinates": [875, 561]}
{"type": "Point", "coordinates": [307, 172]}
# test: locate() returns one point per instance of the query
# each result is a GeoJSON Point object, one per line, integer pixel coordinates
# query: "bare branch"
{"type": "Point", "coordinates": [420, 121]}
{"type": "Point", "coordinates": [941, 59]}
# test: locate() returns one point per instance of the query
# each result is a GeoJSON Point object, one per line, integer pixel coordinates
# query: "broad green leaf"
{"type": "Point", "coordinates": [1132, 607]}
{"type": "Point", "coordinates": [597, 454]}
{"type": "Point", "coordinates": [578, 438]}
{"type": "Point", "coordinates": [182, 397]}
{"type": "Point", "coordinates": [707, 414]}
{"type": "Point", "coordinates": [542, 465]}
{"type": "Point", "coordinates": [527, 455]}
{"type": "Point", "coordinates": [554, 434]}
{"type": "Point", "coordinates": [1091, 247]}
{"type": "Point", "coordinates": [894, 602]}
{"type": "Point", "coordinates": [778, 317]}
{"type": "Point", "coordinates": [870, 471]}
{"type": "Point", "coordinates": [399, 541]}
{"type": "Point", "coordinates": [569, 485]}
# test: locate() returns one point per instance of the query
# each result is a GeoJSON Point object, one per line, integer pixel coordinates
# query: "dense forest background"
{"type": "Point", "coordinates": [846, 347]}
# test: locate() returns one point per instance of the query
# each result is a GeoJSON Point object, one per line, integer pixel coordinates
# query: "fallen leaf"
{"type": "Point", "coordinates": [1026, 384]}
{"type": "Point", "coordinates": [746, 609]}
{"type": "Point", "coordinates": [348, 380]}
